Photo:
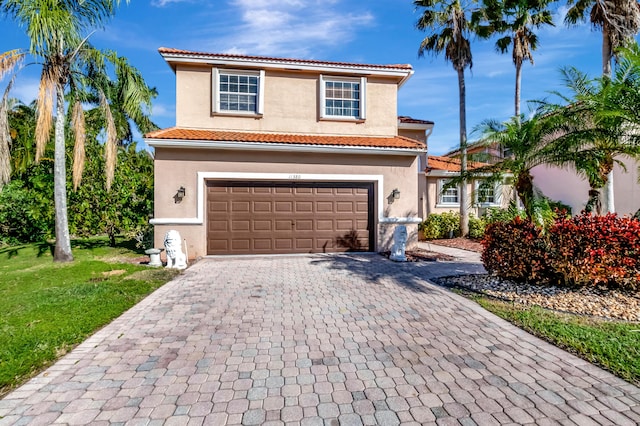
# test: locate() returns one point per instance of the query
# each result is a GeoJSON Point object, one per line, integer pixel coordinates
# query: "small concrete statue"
{"type": "Point", "coordinates": [399, 244]}
{"type": "Point", "coordinates": [176, 259]}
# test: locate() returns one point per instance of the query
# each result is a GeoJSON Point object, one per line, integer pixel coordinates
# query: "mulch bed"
{"type": "Point", "coordinates": [459, 243]}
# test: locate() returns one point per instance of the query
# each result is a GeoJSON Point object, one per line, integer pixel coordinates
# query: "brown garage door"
{"type": "Point", "coordinates": [288, 217]}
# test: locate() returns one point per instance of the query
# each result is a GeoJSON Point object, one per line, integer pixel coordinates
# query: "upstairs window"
{"type": "Point", "coordinates": [238, 92]}
{"type": "Point", "coordinates": [342, 98]}
{"type": "Point", "coordinates": [449, 195]}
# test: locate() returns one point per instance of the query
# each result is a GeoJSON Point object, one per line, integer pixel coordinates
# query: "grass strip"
{"type": "Point", "coordinates": [48, 308]}
{"type": "Point", "coordinates": [612, 345]}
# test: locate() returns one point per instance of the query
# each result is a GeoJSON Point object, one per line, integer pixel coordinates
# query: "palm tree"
{"type": "Point", "coordinates": [448, 27]}
{"type": "Point", "coordinates": [515, 20]}
{"type": "Point", "coordinates": [619, 21]}
{"type": "Point", "coordinates": [533, 141]}
{"type": "Point", "coordinates": [607, 110]}
{"type": "Point", "coordinates": [58, 33]}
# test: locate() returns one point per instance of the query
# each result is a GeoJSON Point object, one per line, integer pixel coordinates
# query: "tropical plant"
{"type": "Point", "coordinates": [58, 33]}
{"type": "Point", "coordinates": [448, 27]}
{"type": "Point", "coordinates": [619, 22]}
{"type": "Point", "coordinates": [539, 139]}
{"type": "Point", "coordinates": [514, 21]}
{"type": "Point", "coordinates": [22, 123]}
{"type": "Point", "coordinates": [606, 109]}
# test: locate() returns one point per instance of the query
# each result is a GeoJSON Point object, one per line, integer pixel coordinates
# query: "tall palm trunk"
{"type": "Point", "coordinates": [464, 202]}
{"type": "Point", "coordinates": [518, 85]}
{"type": "Point", "coordinates": [62, 252]}
{"type": "Point", "coordinates": [607, 191]}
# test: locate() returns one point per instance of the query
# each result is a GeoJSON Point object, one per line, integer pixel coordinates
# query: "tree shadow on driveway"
{"type": "Point", "coordinates": [377, 269]}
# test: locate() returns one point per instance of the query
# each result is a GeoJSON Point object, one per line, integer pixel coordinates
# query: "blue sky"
{"type": "Point", "coordinates": [378, 31]}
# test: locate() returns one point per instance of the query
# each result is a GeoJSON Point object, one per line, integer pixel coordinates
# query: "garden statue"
{"type": "Point", "coordinates": [173, 244]}
{"type": "Point", "coordinates": [399, 244]}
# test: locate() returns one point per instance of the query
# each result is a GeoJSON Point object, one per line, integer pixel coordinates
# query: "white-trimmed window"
{"type": "Point", "coordinates": [238, 92]}
{"type": "Point", "coordinates": [486, 193]}
{"type": "Point", "coordinates": [342, 98]}
{"type": "Point", "coordinates": [449, 195]}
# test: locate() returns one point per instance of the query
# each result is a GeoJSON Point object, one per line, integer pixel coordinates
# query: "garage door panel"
{"type": "Point", "coordinates": [303, 225]}
{"type": "Point", "coordinates": [283, 206]}
{"type": "Point", "coordinates": [262, 225]}
{"type": "Point", "coordinates": [241, 206]}
{"type": "Point", "coordinates": [304, 207]}
{"type": "Point", "coordinates": [218, 206]}
{"type": "Point", "coordinates": [262, 244]}
{"type": "Point", "coordinates": [240, 244]}
{"type": "Point", "coordinates": [344, 225]}
{"type": "Point", "coordinates": [344, 207]}
{"type": "Point", "coordinates": [283, 243]}
{"type": "Point", "coordinates": [218, 225]}
{"type": "Point", "coordinates": [240, 225]}
{"type": "Point", "coordinates": [261, 190]}
{"type": "Point", "coordinates": [283, 225]}
{"type": "Point", "coordinates": [324, 206]}
{"type": "Point", "coordinates": [262, 206]}
{"type": "Point", "coordinates": [304, 243]}
{"type": "Point", "coordinates": [288, 217]}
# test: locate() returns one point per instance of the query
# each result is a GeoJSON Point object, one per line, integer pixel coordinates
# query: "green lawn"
{"type": "Point", "coordinates": [613, 345]}
{"type": "Point", "coordinates": [48, 308]}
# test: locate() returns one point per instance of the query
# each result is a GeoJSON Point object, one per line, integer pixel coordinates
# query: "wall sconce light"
{"type": "Point", "coordinates": [179, 195]}
{"type": "Point", "coordinates": [394, 195]}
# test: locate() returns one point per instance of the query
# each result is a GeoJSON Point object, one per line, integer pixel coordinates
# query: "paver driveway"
{"type": "Point", "coordinates": [342, 339]}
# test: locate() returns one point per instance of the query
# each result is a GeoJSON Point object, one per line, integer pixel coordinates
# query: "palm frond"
{"type": "Point", "coordinates": [5, 138]}
{"type": "Point", "coordinates": [10, 60]}
{"type": "Point", "coordinates": [78, 123]}
{"type": "Point", "coordinates": [44, 123]}
{"type": "Point", "coordinates": [110, 144]}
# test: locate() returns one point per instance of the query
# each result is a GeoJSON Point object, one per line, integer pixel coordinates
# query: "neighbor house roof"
{"type": "Point", "coordinates": [411, 120]}
{"type": "Point", "coordinates": [449, 164]}
{"type": "Point", "coordinates": [400, 71]}
{"type": "Point", "coordinates": [231, 137]}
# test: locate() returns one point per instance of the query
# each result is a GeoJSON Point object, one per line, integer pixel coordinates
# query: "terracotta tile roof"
{"type": "Point", "coordinates": [176, 133]}
{"type": "Point", "coordinates": [449, 164]}
{"type": "Point", "coordinates": [229, 56]}
{"type": "Point", "coordinates": [407, 119]}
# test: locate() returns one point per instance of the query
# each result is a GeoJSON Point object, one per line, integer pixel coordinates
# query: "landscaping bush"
{"type": "Point", "coordinates": [499, 214]}
{"type": "Point", "coordinates": [476, 227]}
{"type": "Point", "coordinates": [517, 250]}
{"type": "Point", "coordinates": [591, 249]}
{"type": "Point", "coordinates": [446, 225]}
{"type": "Point", "coordinates": [441, 225]}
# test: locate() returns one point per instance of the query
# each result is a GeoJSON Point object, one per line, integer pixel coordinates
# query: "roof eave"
{"type": "Point", "coordinates": [279, 147]}
{"type": "Point", "coordinates": [403, 74]}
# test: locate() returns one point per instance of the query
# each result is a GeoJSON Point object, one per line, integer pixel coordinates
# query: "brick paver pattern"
{"type": "Point", "coordinates": [313, 340]}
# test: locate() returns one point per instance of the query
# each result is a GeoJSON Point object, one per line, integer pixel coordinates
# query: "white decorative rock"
{"type": "Point", "coordinates": [154, 256]}
{"type": "Point", "coordinates": [399, 244]}
{"type": "Point", "coordinates": [176, 259]}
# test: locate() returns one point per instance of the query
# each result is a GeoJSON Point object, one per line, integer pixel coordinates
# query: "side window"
{"type": "Point", "coordinates": [449, 195]}
{"type": "Point", "coordinates": [486, 192]}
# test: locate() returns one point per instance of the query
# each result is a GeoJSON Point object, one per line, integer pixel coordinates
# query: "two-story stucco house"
{"type": "Point", "coordinates": [274, 155]}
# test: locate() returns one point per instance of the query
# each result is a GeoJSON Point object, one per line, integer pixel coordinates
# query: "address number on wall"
{"type": "Point", "coordinates": [295, 177]}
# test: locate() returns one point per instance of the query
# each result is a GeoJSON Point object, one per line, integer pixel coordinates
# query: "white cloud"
{"type": "Point", "coordinates": [290, 27]}
{"type": "Point", "coordinates": [163, 3]}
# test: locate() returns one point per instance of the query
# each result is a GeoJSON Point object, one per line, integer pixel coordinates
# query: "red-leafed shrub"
{"type": "Point", "coordinates": [517, 250]}
{"type": "Point", "coordinates": [591, 249]}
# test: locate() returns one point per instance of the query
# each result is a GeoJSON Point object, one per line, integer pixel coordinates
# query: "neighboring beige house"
{"type": "Point", "coordinates": [440, 169]}
{"type": "Point", "coordinates": [274, 155]}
